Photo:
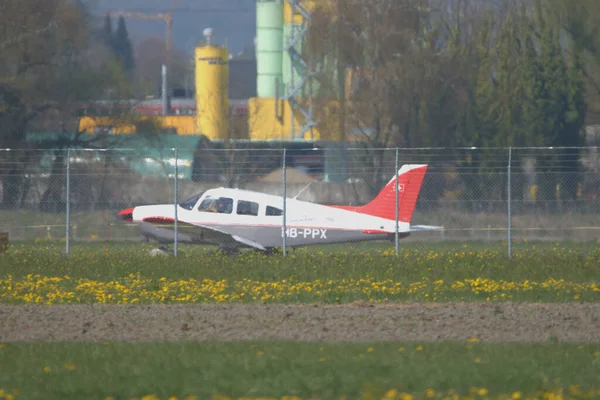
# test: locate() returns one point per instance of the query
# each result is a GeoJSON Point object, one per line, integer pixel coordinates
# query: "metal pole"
{"type": "Point", "coordinates": [291, 84]}
{"type": "Point", "coordinates": [176, 202]}
{"type": "Point", "coordinates": [68, 201]}
{"type": "Point", "coordinates": [164, 93]}
{"type": "Point", "coordinates": [509, 201]}
{"type": "Point", "coordinates": [107, 240]}
{"type": "Point", "coordinates": [396, 233]}
{"type": "Point", "coordinates": [284, 225]}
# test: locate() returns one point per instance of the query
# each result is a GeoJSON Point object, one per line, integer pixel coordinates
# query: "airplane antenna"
{"type": "Point", "coordinates": [303, 189]}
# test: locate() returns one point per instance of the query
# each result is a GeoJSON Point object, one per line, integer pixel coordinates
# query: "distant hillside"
{"type": "Point", "coordinates": [233, 21]}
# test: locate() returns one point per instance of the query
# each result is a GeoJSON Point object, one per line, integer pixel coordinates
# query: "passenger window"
{"type": "Point", "coordinates": [273, 211]}
{"type": "Point", "coordinates": [221, 205]}
{"type": "Point", "coordinates": [247, 208]}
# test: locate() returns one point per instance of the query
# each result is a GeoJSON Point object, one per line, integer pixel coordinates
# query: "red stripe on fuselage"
{"type": "Point", "coordinates": [169, 221]}
{"type": "Point", "coordinates": [159, 220]}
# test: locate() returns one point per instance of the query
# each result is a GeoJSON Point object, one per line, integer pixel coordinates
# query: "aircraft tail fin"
{"type": "Point", "coordinates": [410, 177]}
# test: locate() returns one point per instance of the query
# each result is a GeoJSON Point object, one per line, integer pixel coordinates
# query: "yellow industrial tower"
{"type": "Point", "coordinates": [212, 100]}
{"type": "Point", "coordinates": [212, 87]}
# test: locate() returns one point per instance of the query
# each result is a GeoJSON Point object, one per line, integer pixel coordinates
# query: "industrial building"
{"type": "Point", "coordinates": [282, 108]}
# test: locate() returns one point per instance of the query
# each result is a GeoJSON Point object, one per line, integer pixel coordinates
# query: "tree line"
{"type": "Point", "coordinates": [446, 73]}
{"type": "Point", "coordinates": [461, 72]}
{"type": "Point", "coordinates": [56, 55]}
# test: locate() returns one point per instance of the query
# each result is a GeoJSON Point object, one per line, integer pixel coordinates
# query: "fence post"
{"type": "Point", "coordinates": [509, 192]}
{"type": "Point", "coordinates": [284, 180]}
{"type": "Point", "coordinates": [176, 202]}
{"type": "Point", "coordinates": [396, 233]}
{"type": "Point", "coordinates": [68, 203]}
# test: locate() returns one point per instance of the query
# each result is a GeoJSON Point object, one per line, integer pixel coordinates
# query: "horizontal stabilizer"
{"type": "Point", "coordinates": [416, 228]}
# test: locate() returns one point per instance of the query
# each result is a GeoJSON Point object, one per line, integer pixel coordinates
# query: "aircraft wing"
{"type": "Point", "coordinates": [417, 228]}
{"type": "Point", "coordinates": [192, 233]}
{"type": "Point", "coordinates": [204, 233]}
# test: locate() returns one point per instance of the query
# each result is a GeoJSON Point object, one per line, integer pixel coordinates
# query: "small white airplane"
{"type": "Point", "coordinates": [235, 218]}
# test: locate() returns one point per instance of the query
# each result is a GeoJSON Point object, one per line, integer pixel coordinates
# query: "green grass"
{"type": "Point", "coordinates": [551, 274]}
{"type": "Point", "coordinates": [326, 370]}
{"type": "Point", "coordinates": [415, 262]}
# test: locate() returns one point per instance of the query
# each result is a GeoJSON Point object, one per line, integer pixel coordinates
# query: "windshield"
{"type": "Point", "coordinates": [191, 202]}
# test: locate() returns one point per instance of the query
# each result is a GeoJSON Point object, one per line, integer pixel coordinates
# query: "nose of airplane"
{"type": "Point", "coordinates": [126, 214]}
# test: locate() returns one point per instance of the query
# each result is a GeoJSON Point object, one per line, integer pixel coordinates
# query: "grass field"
{"type": "Point", "coordinates": [278, 369]}
{"type": "Point", "coordinates": [466, 273]}
{"type": "Point", "coordinates": [477, 273]}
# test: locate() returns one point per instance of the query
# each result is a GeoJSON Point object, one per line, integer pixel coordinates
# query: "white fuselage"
{"type": "Point", "coordinates": [299, 214]}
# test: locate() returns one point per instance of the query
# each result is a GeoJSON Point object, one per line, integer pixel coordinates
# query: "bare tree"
{"type": "Point", "coordinates": [49, 66]}
{"type": "Point", "coordinates": [366, 66]}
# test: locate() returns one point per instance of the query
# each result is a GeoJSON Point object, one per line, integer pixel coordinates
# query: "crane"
{"type": "Point", "coordinates": [167, 17]}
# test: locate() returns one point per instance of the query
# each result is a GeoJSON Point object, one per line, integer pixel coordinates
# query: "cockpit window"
{"type": "Point", "coordinates": [245, 207]}
{"type": "Point", "coordinates": [273, 211]}
{"type": "Point", "coordinates": [191, 202]}
{"type": "Point", "coordinates": [221, 205]}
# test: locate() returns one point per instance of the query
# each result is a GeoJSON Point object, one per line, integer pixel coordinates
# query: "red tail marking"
{"type": "Point", "coordinates": [384, 204]}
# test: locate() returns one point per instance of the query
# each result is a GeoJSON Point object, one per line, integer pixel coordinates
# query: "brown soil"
{"type": "Point", "coordinates": [506, 322]}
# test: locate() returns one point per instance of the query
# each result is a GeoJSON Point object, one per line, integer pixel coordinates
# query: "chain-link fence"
{"type": "Point", "coordinates": [475, 194]}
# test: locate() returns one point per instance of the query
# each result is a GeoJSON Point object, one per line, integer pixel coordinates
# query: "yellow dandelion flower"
{"type": "Point", "coordinates": [47, 369]}
{"type": "Point", "coordinates": [419, 348]}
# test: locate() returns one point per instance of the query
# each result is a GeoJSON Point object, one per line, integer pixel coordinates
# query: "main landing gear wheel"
{"type": "Point", "coordinates": [270, 251]}
{"type": "Point", "coordinates": [161, 251]}
{"type": "Point", "coordinates": [228, 251]}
